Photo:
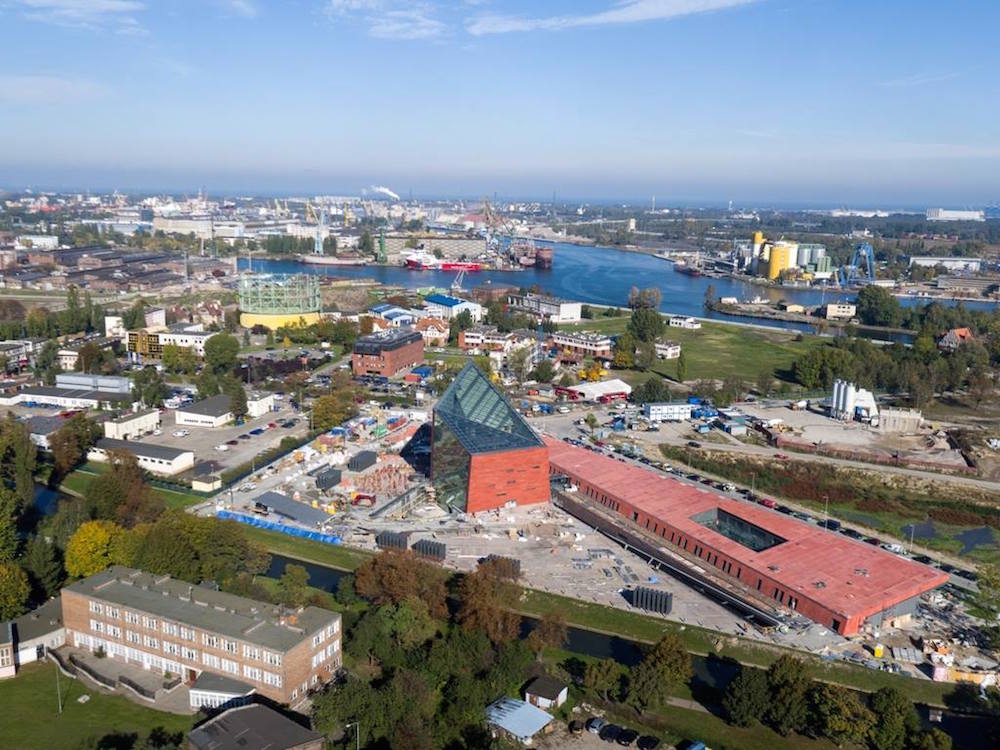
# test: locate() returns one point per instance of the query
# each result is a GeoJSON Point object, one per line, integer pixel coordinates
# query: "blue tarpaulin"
{"type": "Point", "coordinates": [260, 523]}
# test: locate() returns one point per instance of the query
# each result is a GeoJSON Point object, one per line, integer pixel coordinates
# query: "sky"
{"type": "Point", "coordinates": [829, 102]}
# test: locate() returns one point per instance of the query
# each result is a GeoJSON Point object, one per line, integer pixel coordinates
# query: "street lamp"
{"type": "Point", "coordinates": [357, 733]}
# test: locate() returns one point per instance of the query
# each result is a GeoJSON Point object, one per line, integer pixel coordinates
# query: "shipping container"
{"type": "Point", "coordinates": [362, 460]}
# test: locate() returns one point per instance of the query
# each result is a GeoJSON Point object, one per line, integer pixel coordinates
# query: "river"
{"type": "Point", "coordinates": [598, 275]}
{"type": "Point", "coordinates": [710, 673]}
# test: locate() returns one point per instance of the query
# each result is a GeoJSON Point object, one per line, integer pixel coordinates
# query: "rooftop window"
{"type": "Point", "coordinates": [737, 529]}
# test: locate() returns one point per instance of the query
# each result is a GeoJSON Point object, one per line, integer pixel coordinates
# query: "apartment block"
{"type": "Point", "coordinates": [170, 626]}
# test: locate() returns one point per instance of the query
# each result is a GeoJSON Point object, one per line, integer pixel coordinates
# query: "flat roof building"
{"type": "Point", "coordinates": [447, 307]}
{"type": "Point", "coordinates": [214, 411]}
{"type": "Point", "coordinates": [387, 352]}
{"type": "Point", "coordinates": [835, 581]}
{"type": "Point", "coordinates": [156, 459]}
{"type": "Point", "coordinates": [167, 625]}
{"type": "Point", "coordinates": [253, 727]}
{"type": "Point", "coordinates": [131, 425]}
{"type": "Point", "coordinates": [483, 454]}
{"type": "Point", "coordinates": [544, 307]}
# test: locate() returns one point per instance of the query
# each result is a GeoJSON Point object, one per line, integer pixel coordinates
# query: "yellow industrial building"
{"type": "Point", "coordinates": [779, 257]}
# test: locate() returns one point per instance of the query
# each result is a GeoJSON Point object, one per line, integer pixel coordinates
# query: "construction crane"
{"type": "Point", "coordinates": [851, 273]}
{"type": "Point", "coordinates": [320, 232]}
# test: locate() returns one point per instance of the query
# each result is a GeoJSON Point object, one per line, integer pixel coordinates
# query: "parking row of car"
{"type": "Point", "coordinates": [615, 734]}
{"type": "Point", "coordinates": [287, 424]}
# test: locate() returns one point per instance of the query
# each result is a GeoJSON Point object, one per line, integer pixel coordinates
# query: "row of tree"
{"type": "Point", "coordinates": [786, 699]}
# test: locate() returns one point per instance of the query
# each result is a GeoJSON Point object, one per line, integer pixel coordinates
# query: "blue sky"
{"type": "Point", "coordinates": [841, 102]}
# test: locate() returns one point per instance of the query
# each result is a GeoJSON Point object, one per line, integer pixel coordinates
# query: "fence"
{"type": "Point", "coordinates": [139, 689]}
{"type": "Point", "coordinates": [260, 523]}
{"type": "Point", "coordinates": [92, 673]}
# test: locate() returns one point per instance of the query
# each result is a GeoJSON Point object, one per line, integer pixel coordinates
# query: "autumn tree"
{"type": "Point", "coordinates": [17, 460]}
{"type": "Point", "coordinates": [897, 719]}
{"type": "Point", "coordinates": [221, 352]}
{"type": "Point", "coordinates": [14, 590]}
{"type": "Point", "coordinates": [121, 493]}
{"type": "Point", "coordinates": [89, 549]}
{"type": "Point", "coordinates": [486, 601]}
{"type": "Point", "coordinates": [393, 576]}
{"type": "Point", "coordinates": [550, 632]}
{"type": "Point", "coordinates": [70, 443]}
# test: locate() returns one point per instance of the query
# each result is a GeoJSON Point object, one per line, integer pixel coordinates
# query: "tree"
{"type": "Point", "coordinates": [544, 371]}
{"type": "Point", "coordinates": [486, 601]}
{"type": "Point", "coordinates": [550, 632]}
{"type": "Point", "coordinates": [667, 665]}
{"type": "Point", "coordinates": [41, 563]}
{"type": "Point", "coordinates": [9, 539]}
{"type": "Point", "coordinates": [208, 384]}
{"type": "Point", "coordinates": [461, 322]}
{"type": "Point", "coordinates": [897, 719]}
{"type": "Point", "coordinates": [682, 367]}
{"type": "Point", "coordinates": [839, 715]}
{"type": "Point", "coordinates": [89, 549]}
{"type": "Point", "coordinates": [789, 709]}
{"type": "Point", "coordinates": [237, 395]}
{"type": "Point", "coordinates": [591, 421]}
{"type": "Point", "coordinates": [654, 389]}
{"type": "Point", "coordinates": [333, 409]}
{"type": "Point", "coordinates": [149, 388]}
{"type": "Point", "coordinates": [179, 359]}
{"type": "Point", "coordinates": [366, 244]}
{"type": "Point", "coordinates": [293, 587]}
{"type": "Point", "coordinates": [747, 697]}
{"type": "Point", "coordinates": [392, 577]}
{"type": "Point", "coordinates": [71, 442]}
{"type": "Point", "coordinates": [980, 386]}
{"type": "Point", "coordinates": [646, 324]}
{"type": "Point", "coordinates": [649, 298]}
{"type": "Point", "coordinates": [14, 590]}
{"type": "Point", "coordinates": [221, 352]}
{"type": "Point", "coordinates": [988, 583]}
{"type": "Point", "coordinates": [17, 460]}
{"type": "Point", "coordinates": [709, 296]}
{"type": "Point", "coordinates": [645, 355]}
{"type": "Point", "coordinates": [46, 362]}
{"type": "Point", "coordinates": [519, 363]}
{"type": "Point", "coordinates": [121, 493]}
{"type": "Point", "coordinates": [624, 353]}
{"type": "Point", "coordinates": [603, 677]}
{"type": "Point", "coordinates": [935, 739]}
{"type": "Point", "coordinates": [877, 307]}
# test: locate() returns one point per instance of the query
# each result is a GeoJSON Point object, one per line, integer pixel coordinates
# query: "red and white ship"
{"type": "Point", "coordinates": [421, 260]}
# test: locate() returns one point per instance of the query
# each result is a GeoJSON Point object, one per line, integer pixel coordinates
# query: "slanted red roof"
{"type": "Point", "coordinates": [845, 576]}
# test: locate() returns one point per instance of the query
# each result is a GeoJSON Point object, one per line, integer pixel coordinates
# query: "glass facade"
{"type": "Point", "coordinates": [742, 532]}
{"type": "Point", "coordinates": [449, 467]}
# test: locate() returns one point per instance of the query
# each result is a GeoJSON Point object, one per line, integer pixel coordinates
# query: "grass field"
{"type": "Point", "coordinates": [30, 719]}
{"type": "Point", "coordinates": [718, 350]}
{"type": "Point", "coordinates": [334, 556]}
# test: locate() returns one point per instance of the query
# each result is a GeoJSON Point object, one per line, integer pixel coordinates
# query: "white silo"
{"type": "Point", "coordinates": [850, 400]}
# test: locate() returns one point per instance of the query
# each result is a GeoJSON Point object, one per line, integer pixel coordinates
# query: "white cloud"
{"type": "Point", "coordinates": [624, 12]}
{"type": "Point", "coordinates": [416, 23]}
{"type": "Point", "coordinates": [29, 89]}
{"type": "Point", "coordinates": [390, 19]}
{"type": "Point", "coordinates": [920, 79]}
{"type": "Point", "coordinates": [114, 14]}
{"type": "Point", "coordinates": [244, 8]}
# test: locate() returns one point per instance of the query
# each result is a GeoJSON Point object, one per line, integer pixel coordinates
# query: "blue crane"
{"type": "Point", "coordinates": [851, 273]}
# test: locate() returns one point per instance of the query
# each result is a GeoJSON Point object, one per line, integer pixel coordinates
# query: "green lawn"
{"type": "Point", "coordinates": [30, 719]}
{"type": "Point", "coordinates": [76, 483]}
{"type": "Point", "coordinates": [718, 350]}
{"type": "Point", "coordinates": [335, 556]}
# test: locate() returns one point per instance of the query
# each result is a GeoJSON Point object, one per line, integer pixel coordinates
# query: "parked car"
{"type": "Point", "coordinates": [647, 743]}
{"type": "Point", "coordinates": [780, 456]}
{"type": "Point", "coordinates": [181, 433]}
{"type": "Point", "coordinates": [610, 732]}
{"type": "Point", "coordinates": [595, 725]}
{"type": "Point", "coordinates": [576, 727]}
{"type": "Point", "coordinates": [693, 444]}
{"type": "Point", "coordinates": [626, 737]}
{"type": "Point", "coordinates": [232, 442]}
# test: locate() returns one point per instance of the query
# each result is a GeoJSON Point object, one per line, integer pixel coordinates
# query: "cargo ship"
{"type": "Point", "coordinates": [527, 255]}
{"type": "Point", "coordinates": [688, 270]}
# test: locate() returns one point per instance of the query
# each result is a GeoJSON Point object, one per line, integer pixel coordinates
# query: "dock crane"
{"type": "Point", "coordinates": [851, 273]}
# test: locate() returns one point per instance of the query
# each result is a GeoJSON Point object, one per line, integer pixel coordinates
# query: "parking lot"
{"type": "Point", "coordinates": [206, 441]}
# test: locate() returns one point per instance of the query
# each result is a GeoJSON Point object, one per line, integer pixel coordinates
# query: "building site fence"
{"type": "Point", "coordinates": [260, 523]}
